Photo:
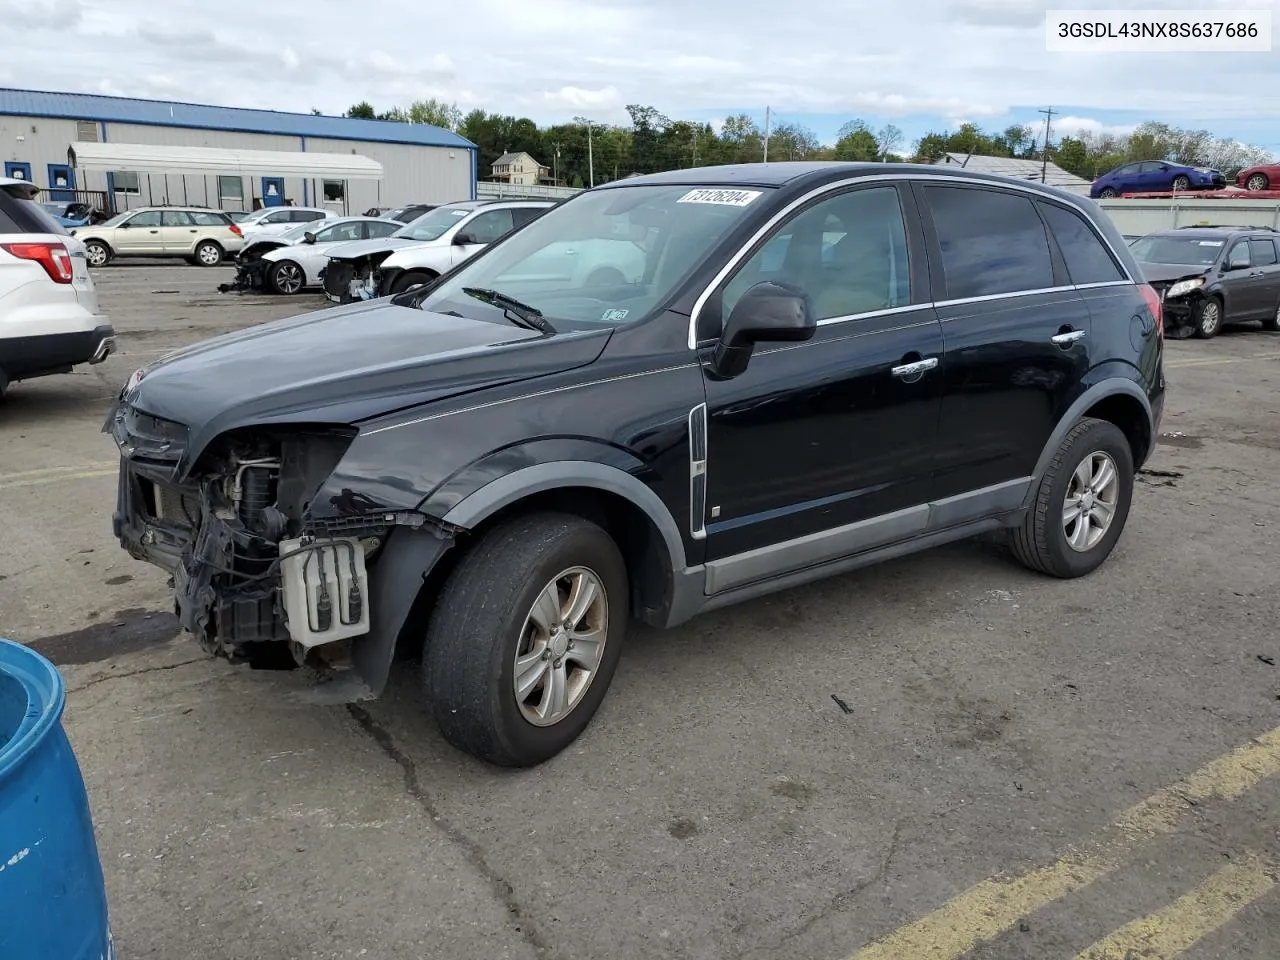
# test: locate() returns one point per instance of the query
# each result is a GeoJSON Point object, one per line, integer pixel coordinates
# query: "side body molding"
{"type": "Point", "coordinates": [1110, 387]}
{"type": "Point", "coordinates": [505, 490]}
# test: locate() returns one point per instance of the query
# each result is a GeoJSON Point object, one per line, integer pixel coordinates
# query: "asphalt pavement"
{"type": "Point", "coordinates": [945, 756]}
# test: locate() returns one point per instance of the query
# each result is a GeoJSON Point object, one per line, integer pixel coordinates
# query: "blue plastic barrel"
{"type": "Point", "coordinates": [53, 904]}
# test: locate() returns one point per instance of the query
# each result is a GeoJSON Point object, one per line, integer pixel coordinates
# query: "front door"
{"type": "Point", "coordinates": [17, 170]}
{"type": "Point", "coordinates": [825, 448]}
{"type": "Point", "coordinates": [479, 231]}
{"type": "Point", "coordinates": [1017, 338]}
{"type": "Point", "coordinates": [62, 182]}
{"type": "Point", "coordinates": [272, 191]}
{"type": "Point", "coordinates": [1249, 292]}
{"type": "Point", "coordinates": [140, 235]}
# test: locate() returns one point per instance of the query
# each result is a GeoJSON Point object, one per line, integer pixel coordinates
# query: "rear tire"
{"type": "Point", "coordinates": [1208, 318]}
{"type": "Point", "coordinates": [488, 614]}
{"type": "Point", "coordinates": [1272, 322]}
{"type": "Point", "coordinates": [208, 254]}
{"type": "Point", "coordinates": [1044, 540]}
{"type": "Point", "coordinates": [97, 253]}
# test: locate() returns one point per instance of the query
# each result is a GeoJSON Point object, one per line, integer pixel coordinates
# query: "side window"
{"type": "Point", "coordinates": [489, 226]}
{"type": "Point", "coordinates": [280, 216]}
{"type": "Point", "coordinates": [848, 252]}
{"type": "Point", "coordinates": [341, 231]}
{"type": "Point", "coordinates": [1239, 253]}
{"type": "Point", "coordinates": [1263, 252]}
{"type": "Point", "coordinates": [1088, 260]}
{"type": "Point", "coordinates": [992, 242]}
{"type": "Point", "coordinates": [208, 219]}
{"type": "Point", "coordinates": [175, 218]}
{"type": "Point", "coordinates": [522, 215]}
{"type": "Point", "coordinates": [383, 228]}
{"type": "Point", "coordinates": [149, 218]}
{"type": "Point", "coordinates": [305, 216]}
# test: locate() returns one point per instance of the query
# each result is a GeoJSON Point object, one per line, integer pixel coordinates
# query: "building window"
{"type": "Point", "coordinates": [230, 188]}
{"type": "Point", "coordinates": [125, 181]}
{"type": "Point", "coordinates": [334, 191]}
{"type": "Point", "coordinates": [86, 131]}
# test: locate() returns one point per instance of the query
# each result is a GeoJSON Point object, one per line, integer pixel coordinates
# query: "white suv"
{"type": "Point", "coordinates": [49, 317]}
{"type": "Point", "coordinates": [274, 220]}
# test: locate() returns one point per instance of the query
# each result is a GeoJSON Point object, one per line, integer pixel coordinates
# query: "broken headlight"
{"type": "Point", "coordinates": [1183, 287]}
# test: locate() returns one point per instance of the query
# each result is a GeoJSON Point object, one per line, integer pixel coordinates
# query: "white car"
{"type": "Point", "coordinates": [49, 316]}
{"type": "Point", "coordinates": [292, 261]}
{"type": "Point", "coordinates": [276, 220]}
{"type": "Point", "coordinates": [445, 237]}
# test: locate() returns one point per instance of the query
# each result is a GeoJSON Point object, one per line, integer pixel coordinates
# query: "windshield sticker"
{"type": "Point", "coordinates": [1210, 243]}
{"type": "Point", "coordinates": [725, 198]}
{"type": "Point", "coordinates": [614, 316]}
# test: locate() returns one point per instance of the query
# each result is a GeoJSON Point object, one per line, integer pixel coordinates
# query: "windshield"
{"type": "Point", "coordinates": [1177, 250]}
{"type": "Point", "coordinates": [607, 256]}
{"type": "Point", "coordinates": [116, 220]}
{"type": "Point", "coordinates": [434, 224]}
{"type": "Point", "coordinates": [298, 232]}
{"type": "Point", "coordinates": [56, 209]}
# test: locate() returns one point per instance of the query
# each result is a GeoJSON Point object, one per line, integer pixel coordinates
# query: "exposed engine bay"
{"type": "Point", "coordinates": [251, 269]}
{"type": "Point", "coordinates": [255, 577]}
{"type": "Point", "coordinates": [347, 281]}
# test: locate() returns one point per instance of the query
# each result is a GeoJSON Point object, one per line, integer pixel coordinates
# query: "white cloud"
{"type": "Point", "coordinates": [1075, 126]}
{"type": "Point", "coordinates": [935, 59]}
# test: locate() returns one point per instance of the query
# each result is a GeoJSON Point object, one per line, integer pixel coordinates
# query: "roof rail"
{"type": "Point", "coordinates": [1225, 226]}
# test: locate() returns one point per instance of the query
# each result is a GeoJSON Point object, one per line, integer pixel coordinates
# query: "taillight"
{"type": "Point", "coordinates": [236, 230]}
{"type": "Point", "coordinates": [1157, 309]}
{"type": "Point", "coordinates": [52, 256]}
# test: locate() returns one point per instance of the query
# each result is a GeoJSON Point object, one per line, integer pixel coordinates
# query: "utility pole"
{"type": "Point", "coordinates": [1044, 163]}
{"type": "Point", "coordinates": [694, 161]}
{"type": "Point", "coordinates": [766, 134]}
{"type": "Point", "coordinates": [591, 157]}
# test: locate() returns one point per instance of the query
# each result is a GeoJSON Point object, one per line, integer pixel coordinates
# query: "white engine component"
{"type": "Point", "coordinates": [326, 589]}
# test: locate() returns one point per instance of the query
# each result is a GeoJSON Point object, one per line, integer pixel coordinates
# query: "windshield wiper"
{"type": "Point", "coordinates": [519, 313]}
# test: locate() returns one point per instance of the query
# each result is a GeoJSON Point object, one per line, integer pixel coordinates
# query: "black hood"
{"type": "Point", "coordinates": [345, 365]}
{"type": "Point", "coordinates": [1164, 273]}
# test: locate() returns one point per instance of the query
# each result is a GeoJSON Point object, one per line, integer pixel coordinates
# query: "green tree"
{"type": "Point", "coordinates": [856, 142]}
{"type": "Point", "coordinates": [362, 110]}
{"type": "Point", "coordinates": [435, 112]}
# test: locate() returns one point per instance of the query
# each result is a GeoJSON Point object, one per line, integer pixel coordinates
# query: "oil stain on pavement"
{"type": "Point", "coordinates": [128, 631]}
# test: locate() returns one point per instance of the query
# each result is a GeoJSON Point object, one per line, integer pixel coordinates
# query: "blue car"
{"type": "Point", "coordinates": [1155, 176]}
{"type": "Point", "coordinates": [69, 214]}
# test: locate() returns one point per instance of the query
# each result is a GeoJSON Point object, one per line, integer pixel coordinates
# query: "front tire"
{"type": "Point", "coordinates": [287, 278]}
{"type": "Point", "coordinates": [1181, 182]}
{"type": "Point", "coordinates": [1208, 318]}
{"type": "Point", "coordinates": [1081, 505]}
{"type": "Point", "coordinates": [208, 254]}
{"type": "Point", "coordinates": [525, 638]}
{"type": "Point", "coordinates": [97, 253]}
{"type": "Point", "coordinates": [1272, 323]}
{"type": "Point", "coordinates": [1107, 193]}
{"type": "Point", "coordinates": [1256, 182]}
{"type": "Point", "coordinates": [412, 279]}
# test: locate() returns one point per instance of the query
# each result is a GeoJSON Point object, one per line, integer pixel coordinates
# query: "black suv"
{"type": "Point", "coordinates": [818, 366]}
{"type": "Point", "coordinates": [1208, 276]}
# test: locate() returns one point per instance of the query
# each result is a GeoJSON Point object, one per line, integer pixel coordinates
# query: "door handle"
{"type": "Point", "coordinates": [153, 231]}
{"type": "Point", "coordinates": [915, 368]}
{"type": "Point", "coordinates": [1068, 337]}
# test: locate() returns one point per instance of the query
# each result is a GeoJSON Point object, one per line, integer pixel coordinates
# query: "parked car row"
{"type": "Point", "coordinates": [1162, 176]}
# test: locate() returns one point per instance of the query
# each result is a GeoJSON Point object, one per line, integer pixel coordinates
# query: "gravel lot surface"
{"type": "Point", "coordinates": [947, 751]}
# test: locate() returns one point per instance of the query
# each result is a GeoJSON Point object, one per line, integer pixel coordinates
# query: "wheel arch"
{"type": "Point", "coordinates": [631, 512]}
{"type": "Point", "coordinates": [1116, 400]}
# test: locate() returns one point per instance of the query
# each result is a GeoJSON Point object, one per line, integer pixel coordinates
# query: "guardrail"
{"type": "Point", "coordinates": [1137, 217]}
{"type": "Point", "coordinates": [490, 190]}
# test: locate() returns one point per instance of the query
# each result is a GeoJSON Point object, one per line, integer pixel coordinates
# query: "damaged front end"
{"type": "Point", "coordinates": [257, 576]}
{"type": "Point", "coordinates": [1180, 298]}
{"type": "Point", "coordinates": [251, 270]}
{"type": "Point", "coordinates": [350, 281]}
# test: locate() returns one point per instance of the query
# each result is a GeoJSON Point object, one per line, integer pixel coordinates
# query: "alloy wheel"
{"type": "Point", "coordinates": [96, 254]}
{"type": "Point", "coordinates": [1210, 318]}
{"type": "Point", "coordinates": [1256, 182]}
{"type": "Point", "coordinates": [1091, 500]}
{"type": "Point", "coordinates": [288, 278]}
{"type": "Point", "coordinates": [209, 254]}
{"type": "Point", "coordinates": [561, 646]}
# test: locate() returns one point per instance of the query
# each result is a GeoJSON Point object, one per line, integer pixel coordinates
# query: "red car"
{"type": "Point", "coordinates": [1264, 177]}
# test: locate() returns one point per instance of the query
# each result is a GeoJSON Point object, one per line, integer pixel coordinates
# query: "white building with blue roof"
{"type": "Point", "coordinates": [121, 153]}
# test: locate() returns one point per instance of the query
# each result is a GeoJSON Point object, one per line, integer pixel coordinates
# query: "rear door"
{"type": "Point", "coordinates": [178, 232]}
{"type": "Point", "coordinates": [1016, 334]}
{"type": "Point", "coordinates": [1263, 254]}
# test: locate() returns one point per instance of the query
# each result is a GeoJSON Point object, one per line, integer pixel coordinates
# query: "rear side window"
{"type": "Point", "coordinates": [176, 218]}
{"type": "Point", "coordinates": [522, 215]}
{"type": "Point", "coordinates": [1088, 260]}
{"type": "Point", "coordinates": [20, 215]}
{"type": "Point", "coordinates": [306, 216]}
{"type": "Point", "coordinates": [992, 243]}
{"type": "Point", "coordinates": [1263, 252]}
{"type": "Point", "coordinates": [209, 219]}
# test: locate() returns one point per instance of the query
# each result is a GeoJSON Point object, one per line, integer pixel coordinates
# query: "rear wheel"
{"type": "Point", "coordinates": [526, 637]}
{"type": "Point", "coordinates": [1182, 182]}
{"type": "Point", "coordinates": [287, 277]}
{"type": "Point", "coordinates": [97, 253]}
{"type": "Point", "coordinates": [1208, 318]}
{"type": "Point", "coordinates": [1272, 322]}
{"type": "Point", "coordinates": [1257, 181]}
{"type": "Point", "coordinates": [1081, 505]}
{"type": "Point", "coordinates": [208, 254]}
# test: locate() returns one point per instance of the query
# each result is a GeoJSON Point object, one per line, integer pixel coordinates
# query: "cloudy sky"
{"type": "Point", "coordinates": [922, 64]}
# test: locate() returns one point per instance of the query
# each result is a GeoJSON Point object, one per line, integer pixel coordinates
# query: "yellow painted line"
{"type": "Point", "coordinates": [994, 905]}
{"type": "Point", "coordinates": [39, 481]}
{"type": "Point", "coordinates": [1209, 361]}
{"type": "Point", "coordinates": [1169, 932]}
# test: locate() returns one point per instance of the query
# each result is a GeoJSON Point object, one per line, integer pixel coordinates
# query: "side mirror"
{"type": "Point", "coordinates": [769, 312]}
{"type": "Point", "coordinates": [1239, 261]}
{"type": "Point", "coordinates": [126, 225]}
{"type": "Point", "coordinates": [463, 239]}
{"type": "Point", "coordinates": [308, 237]}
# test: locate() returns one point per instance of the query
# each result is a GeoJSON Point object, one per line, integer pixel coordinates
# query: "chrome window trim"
{"type": "Point", "coordinates": [738, 256]}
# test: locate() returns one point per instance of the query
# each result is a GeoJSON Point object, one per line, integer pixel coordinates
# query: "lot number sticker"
{"type": "Point", "coordinates": [725, 198]}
